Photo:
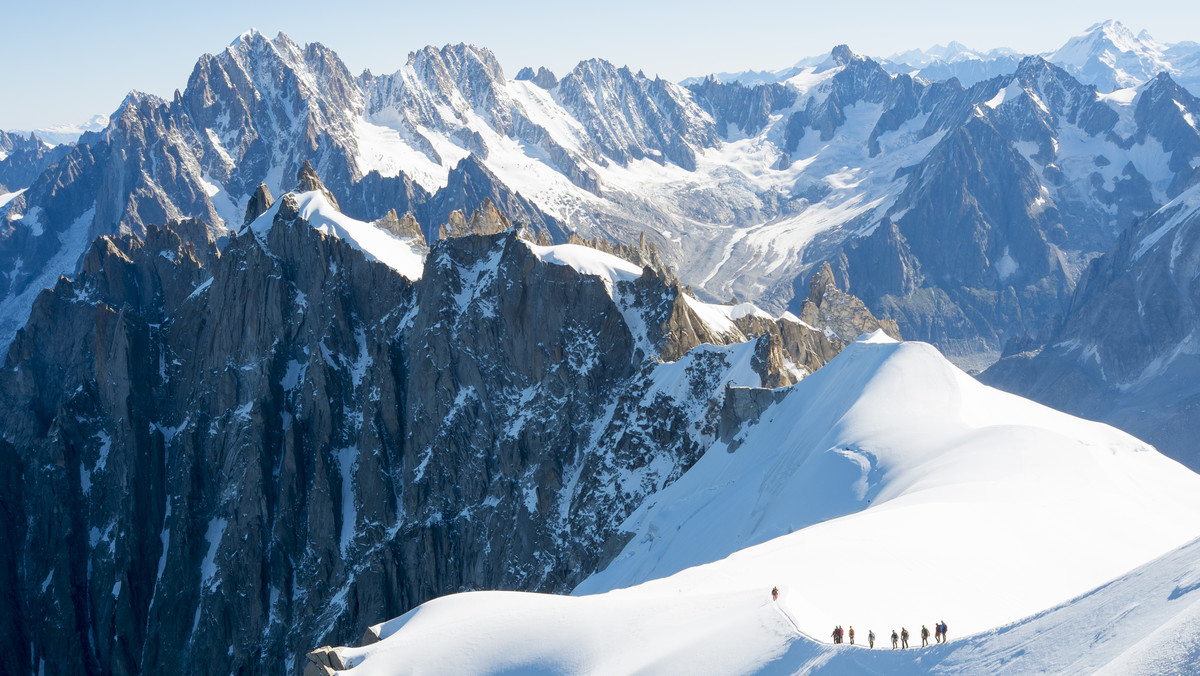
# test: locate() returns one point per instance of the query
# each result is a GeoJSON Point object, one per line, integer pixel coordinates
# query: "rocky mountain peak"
{"type": "Point", "coordinates": [289, 207]}
{"type": "Point", "coordinates": [842, 55]}
{"type": "Point", "coordinates": [308, 181]}
{"type": "Point", "coordinates": [1033, 67]}
{"type": "Point", "coordinates": [1115, 34]}
{"type": "Point", "coordinates": [543, 78]}
{"type": "Point", "coordinates": [468, 66]}
{"type": "Point", "coordinates": [842, 314]}
{"type": "Point", "coordinates": [259, 202]}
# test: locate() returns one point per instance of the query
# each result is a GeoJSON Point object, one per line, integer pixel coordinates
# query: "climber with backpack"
{"type": "Point", "coordinates": [904, 637]}
{"type": "Point", "coordinates": [924, 636]}
{"type": "Point", "coordinates": [775, 593]}
{"type": "Point", "coordinates": [895, 638]}
{"type": "Point", "coordinates": [871, 637]}
{"type": "Point", "coordinates": [944, 637]}
{"type": "Point", "coordinates": [851, 634]}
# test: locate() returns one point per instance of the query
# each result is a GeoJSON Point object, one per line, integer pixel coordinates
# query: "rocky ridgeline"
{"type": "Point", "coordinates": [226, 456]}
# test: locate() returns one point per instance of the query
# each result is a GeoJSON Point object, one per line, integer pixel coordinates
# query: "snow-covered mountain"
{"type": "Point", "coordinates": [481, 352]}
{"type": "Point", "coordinates": [1111, 57]}
{"type": "Point", "coordinates": [954, 60]}
{"type": "Point", "coordinates": [888, 489]}
{"type": "Point", "coordinates": [228, 455]}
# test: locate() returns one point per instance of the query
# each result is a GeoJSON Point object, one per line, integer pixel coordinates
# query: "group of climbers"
{"type": "Point", "coordinates": [899, 641]}
{"type": "Point", "coordinates": [840, 634]}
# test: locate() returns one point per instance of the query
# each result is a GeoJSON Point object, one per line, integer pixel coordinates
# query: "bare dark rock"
{"type": "Point", "coordinates": [259, 203]}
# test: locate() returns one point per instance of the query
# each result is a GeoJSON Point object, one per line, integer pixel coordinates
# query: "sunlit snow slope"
{"type": "Point", "coordinates": [398, 253]}
{"type": "Point", "coordinates": [888, 489]}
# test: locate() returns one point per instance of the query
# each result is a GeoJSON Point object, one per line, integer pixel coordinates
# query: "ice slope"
{"type": "Point", "coordinates": [400, 254]}
{"type": "Point", "coordinates": [888, 489]}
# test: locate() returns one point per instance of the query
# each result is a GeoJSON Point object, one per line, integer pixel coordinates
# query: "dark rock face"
{"type": "Point", "coordinates": [966, 231]}
{"type": "Point", "coordinates": [230, 456]}
{"type": "Point", "coordinates": [748, 108]}
{"type": "Point", "coordinates": [259, 203]}
{"type": "Point", "coordinates": [1125, 353]}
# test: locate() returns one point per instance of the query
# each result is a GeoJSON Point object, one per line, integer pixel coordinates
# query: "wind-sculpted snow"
{"type": "Point", "coordinates": [888, 489]}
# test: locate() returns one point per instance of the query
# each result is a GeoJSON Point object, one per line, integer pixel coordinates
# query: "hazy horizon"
{"type": "Point", "coordinates": [55, 75]}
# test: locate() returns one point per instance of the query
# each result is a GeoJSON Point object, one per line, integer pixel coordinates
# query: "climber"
{"type": "Point", "coordinates": [851, 634]}
{"type": "Point", "coordinates": [894, 639]}
{"type": "Point", "coordinates": [904, 638]}
{"type": "Point", "coordinates": [871, 637]}
{"type": "Point", "coordinates": [924, 636]}
{"type": "Point", "coordinates": [775, 593]}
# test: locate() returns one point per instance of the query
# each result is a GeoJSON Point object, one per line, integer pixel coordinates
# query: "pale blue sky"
{"type": "Point", "coordinates": [61, 62]}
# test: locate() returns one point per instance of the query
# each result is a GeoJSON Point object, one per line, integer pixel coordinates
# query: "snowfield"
{"type": "Point", "coordinates": [888, 489]}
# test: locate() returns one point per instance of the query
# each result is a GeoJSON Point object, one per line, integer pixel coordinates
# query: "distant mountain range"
{"type": "Point", "coordinates": [60, 134]}
{"type": "Point", "coordinates": [1107, 55]}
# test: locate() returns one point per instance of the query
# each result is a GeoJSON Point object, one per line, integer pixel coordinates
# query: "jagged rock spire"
{"type": "Point", "coordinates": [486, 220]}
{"type": "Point", "coordinates": [259, 203]}
{"type": "Point", "coordinates": [544, 77]}
{"type": "Point", "coordinates": [848, 317]}
{"type": "Point", "coordinates": [307, 180]}
{"type": "Point", "coordinates": [402, 226]}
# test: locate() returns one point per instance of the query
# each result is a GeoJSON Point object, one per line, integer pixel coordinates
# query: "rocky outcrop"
{"type": "Point", "coordinates": [543, 78]}
{"type": "Point", "coordinates": [644, 253]}
{"type": "Point", "coordinates": [324, 661]}
{"type": "Point", "coordinates": [259, 203]}
{"type": "Point", "coordinates": [307, 180]}
{"type": "Point", "coordinates": [402, 227]}
{"type": "Point", "coordinates": [842, 315]}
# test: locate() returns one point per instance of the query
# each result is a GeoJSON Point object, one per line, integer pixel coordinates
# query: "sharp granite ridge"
{"type": "Point", "coordinates": [228, 454]}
